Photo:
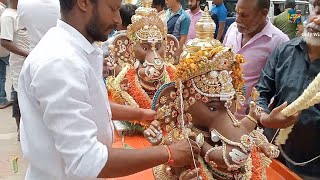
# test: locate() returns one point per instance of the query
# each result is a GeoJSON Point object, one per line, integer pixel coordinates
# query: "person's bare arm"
{"type": "Point", "coordinates": [220, 30]}
{"type": "Point", "coordinates": [10, 46]}
{"type": "Point", "coordinates": [123, 162]}
{"type": "Point", "coordinates": [129, 113]}
{"type": "Point", "coordinates": [182, 42]}
{"type": "Point", "coordinates": [276, 119]}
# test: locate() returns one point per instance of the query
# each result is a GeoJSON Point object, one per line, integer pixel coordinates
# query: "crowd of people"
{"type": "Point", "coordinates": [58, 91]}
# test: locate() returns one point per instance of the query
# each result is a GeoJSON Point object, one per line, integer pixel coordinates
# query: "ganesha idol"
{"type": "Point", "coordinates": [201, 103]}
{"type": "Point", "coordinates": [142, 56]}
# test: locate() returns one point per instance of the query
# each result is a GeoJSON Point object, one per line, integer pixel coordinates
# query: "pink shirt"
{"type": "Point", "coordinates": [256, 52]}
{"type": "Point", "coordinates": [194, 19]}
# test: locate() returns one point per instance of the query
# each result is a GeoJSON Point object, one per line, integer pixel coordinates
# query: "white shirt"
{"type": "Point", "coordinates": [3, 51]}
{"type": "Point", "coordinates": [66, 117]}
{"type": "Point", "coordinates": [38, 16]}
{"type": "Point", "coordinates": [10, 30]}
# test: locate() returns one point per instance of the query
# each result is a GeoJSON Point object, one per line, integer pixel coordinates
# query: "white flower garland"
{"type": "Point", "coordinates": [309, 97]}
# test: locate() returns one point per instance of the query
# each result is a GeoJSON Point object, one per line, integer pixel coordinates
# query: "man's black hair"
{"type": "Point", "coordinates": [290, 4]}
{"type": "Point", "coordinates": [67, 5]}
{"type": "Point", "coordinates": [263, 4]}
{"type": "Point", "coordinates": [162, 3]}
{"type": "Point", "coordinates": [126, 12]}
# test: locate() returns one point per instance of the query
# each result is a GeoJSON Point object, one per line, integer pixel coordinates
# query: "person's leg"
{"type": "Point", "coordinates": [3, 95]}
{"type": "Point", "coordinates": [16, 111]}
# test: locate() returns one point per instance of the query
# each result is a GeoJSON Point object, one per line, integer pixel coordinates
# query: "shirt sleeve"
{"type": "Point", "coordinates": [185, 24]}
{"type": "Point", "coordinates": [21, 15]}
{"type": "Point", "coordinates": [227, 35]}
{"type": "Point", "coordinates": [266, 84]}
{"type": "Point", "coordinates": [222, 14]}
{"type": "Point", "coordinates": [7, 28]}
{"type": "Point", "coordinates": [62, 92]}
{"type": "Point", "coordinates": [275, 21]}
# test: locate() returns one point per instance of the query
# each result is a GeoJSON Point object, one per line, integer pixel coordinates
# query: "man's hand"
{"type": "Point", "coordinates": [276, 119]}
{"type": "Point", "coordinates": [147, 115]}
{"type": "Point", "coordinates": [181, 153]}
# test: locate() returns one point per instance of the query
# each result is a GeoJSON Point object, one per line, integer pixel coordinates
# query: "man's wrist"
{"type": "Point", "coordinates": [165, 154]}
{"type": "Point", "coordinates": [140, 114]}
{"type": "Point", "coordinates": [262, 119]}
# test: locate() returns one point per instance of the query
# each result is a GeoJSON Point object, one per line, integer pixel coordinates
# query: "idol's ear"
{"type": "Point", "coordinates": [172, 47]}
{"type": "Point", "coordinates": [120, 49]}
{"type": "Point", "coordinates": [164, 102]}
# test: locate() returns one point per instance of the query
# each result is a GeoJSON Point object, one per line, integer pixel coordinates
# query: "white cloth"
{"type": "Point", "coordinates": [66, 116]}
{"type": "Point", "coordinates": [3, 51]}
{"type": "Point", "coordinates": [38, 16]}
{"type": "Point", "coordinates": [11, 31]}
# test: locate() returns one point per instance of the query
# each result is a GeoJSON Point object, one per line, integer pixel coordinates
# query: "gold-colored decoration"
{"type": "Point", "coordinates": [205, 29]}
{"type": "Point", "coordinates": [207, 70]}
{"type": "Point", "coordinates": [146, 25]}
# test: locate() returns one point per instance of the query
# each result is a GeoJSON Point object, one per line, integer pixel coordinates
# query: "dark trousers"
{"type": "Point", "coordinates": [3, 65]}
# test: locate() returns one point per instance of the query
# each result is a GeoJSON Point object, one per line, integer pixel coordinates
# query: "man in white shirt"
{"type": "Point", "coordinates": [66, 129]}
{"type": "Point", "coordinates": [15, 40]}
{"type": "Point", "coordinates": [38, 16]}
{"type": "Point", "coordinates": [4, 61]}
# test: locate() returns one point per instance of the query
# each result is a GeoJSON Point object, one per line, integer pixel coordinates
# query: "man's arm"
{"type": "Point", "coordinates": [7, 31]}
{"type": "Point", "coordinates": [267, 88]}
{"type": "Point", "coordinates": [131, 113]}
{"type": "Point", "coordinates": [222, 17]}
{"type": "Point", "coordinates": [220, 30]}
{"type": "Point", "coordinates": [184, 30]}
{"type": "Point", "coordinates": [225, 40]}
{"type": "Point", "coordinates": [10, 46]}
{"type": "Point", "coordinates": [266, 85]}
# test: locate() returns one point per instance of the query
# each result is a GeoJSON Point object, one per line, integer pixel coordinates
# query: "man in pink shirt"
{"type": "Point", "coordinates": [254, 36]}
{"type": "Point", "coordinates": [195, 14]}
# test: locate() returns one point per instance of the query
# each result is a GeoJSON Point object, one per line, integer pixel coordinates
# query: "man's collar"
{"type": "Point", "coordinates": [299, 42]}
{"type": "Point", "coordinates": [179, 12]}
{"type": "Point", "coordinates": [267, 30]}
{"type": "Point", "coordinates": [81, 40]}
{"type": "Point", "coordinates": [189, 11]}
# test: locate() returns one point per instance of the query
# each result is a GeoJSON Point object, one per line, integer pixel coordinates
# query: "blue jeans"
{"type": "Point", "coordinates": [4, 61]}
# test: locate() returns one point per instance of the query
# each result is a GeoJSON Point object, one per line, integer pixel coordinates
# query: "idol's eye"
{"type": "Point", "coordinates": [158, 46]}
{"type": "Point", "coordinates": [214, 108]}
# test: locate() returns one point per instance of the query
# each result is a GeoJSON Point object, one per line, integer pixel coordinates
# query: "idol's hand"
{"type": "Point", "coordinates": [270, 150]}
{"type": "Point", "coordinates": [189, 174]}
{"type": "Point", "coordinates": [154, 134]}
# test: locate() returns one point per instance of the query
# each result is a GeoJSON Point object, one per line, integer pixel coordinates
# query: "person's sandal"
{"type": "Point", "coordinates": [3, 106]}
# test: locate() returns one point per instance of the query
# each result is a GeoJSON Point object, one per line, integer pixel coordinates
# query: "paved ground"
{"type": "Point", "coordinates": [9, 145]}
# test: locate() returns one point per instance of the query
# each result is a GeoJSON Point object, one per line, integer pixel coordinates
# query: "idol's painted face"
{"type": "Point", "coordinates": [151, 60]}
